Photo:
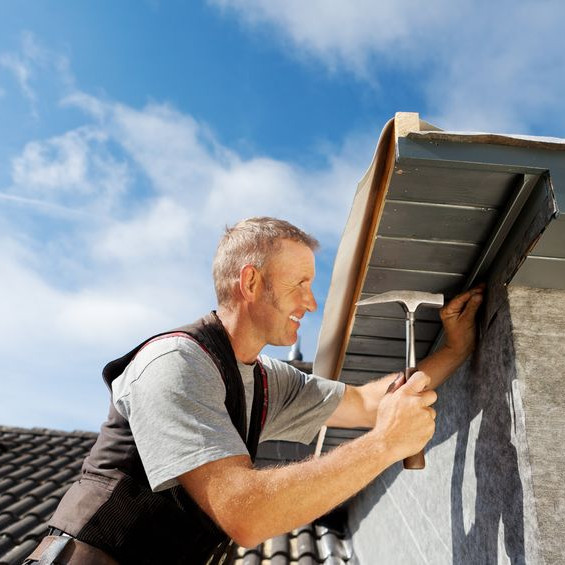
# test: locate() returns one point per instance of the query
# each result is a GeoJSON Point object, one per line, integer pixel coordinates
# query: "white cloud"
{"type": "Point", "coordinates": [29, 61]}
{"type": "Point", "coordinates": [75, 169]}
{"type": "Point", "coordinates": [493, 66]}
{"type": "Point", "coordinates": [161, 231]}
{"type": "Point", "coordinates": [345, 33]}
{"type": "Point", "coordinates": [90, 317]}
{"type": "Point", "coordinates": [21, 70]}
{"type": "Point", "coordinates": [58, 163]}
{"type": "Point", "coordinates": [128, 243]}
{"type": "Point", "coordinates": [177, 153]}
{"type": "Point", "coordinates": [183, 160]}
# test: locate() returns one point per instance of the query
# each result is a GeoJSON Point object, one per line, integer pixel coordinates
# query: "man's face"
{"type": "Point", "coordinates": [286, 293]}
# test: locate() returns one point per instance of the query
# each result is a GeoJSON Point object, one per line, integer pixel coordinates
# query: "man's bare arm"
{"type": "Point", "coordinates": [458, 318]}
{"type": "Point", "coordinates": [359, 404]}
{"type": "Point", "coordinates": [358, 407]}
{"type": "Point", "coordinates": [240, 499]}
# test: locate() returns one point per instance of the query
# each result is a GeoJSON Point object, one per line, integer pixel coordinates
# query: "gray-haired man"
{"type": "Point", "coordinates": [171, 477]}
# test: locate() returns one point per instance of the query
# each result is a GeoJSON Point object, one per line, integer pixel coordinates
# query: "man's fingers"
{"type": "Point", "coordinates": [397, 383]}
{"type": "Point", "coordinates": [429, 397]}
{"type": "Point", "coordinates": [473, 305]}
{"type": "Point", "coordinates": [465, 304]}
{"type": "Point", "coordinates": [418, 381]}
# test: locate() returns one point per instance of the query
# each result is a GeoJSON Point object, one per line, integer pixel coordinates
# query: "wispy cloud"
{"type": "Point", "coordinates": [345, 34]}
{"type": "Point", "coordinates": [111, 228]}
{"type": "Point", "coordinates": [76, 169]}
{"type": "Point", "coordinates": [21, 69]}
{"type": "Point", "coordinates": [494, 66]}
{"type": "Point", "coordinates": [30, 59]}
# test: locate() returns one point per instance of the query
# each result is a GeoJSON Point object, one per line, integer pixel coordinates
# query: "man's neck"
{"type": "Point", "coordinates": [241, 334]}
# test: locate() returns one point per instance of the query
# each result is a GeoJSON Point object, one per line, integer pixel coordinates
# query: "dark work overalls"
{"type": "Point", "coordinates": [112, 506]}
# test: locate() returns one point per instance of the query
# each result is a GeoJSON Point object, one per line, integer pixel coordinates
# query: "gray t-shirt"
{"type": "Point", "coordinates": [173, 396]}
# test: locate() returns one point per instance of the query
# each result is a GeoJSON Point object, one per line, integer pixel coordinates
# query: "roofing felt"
{"type": "Point", "coordinates": [438, 212]}
{"type": "Point", "coordinates": [37, 466]}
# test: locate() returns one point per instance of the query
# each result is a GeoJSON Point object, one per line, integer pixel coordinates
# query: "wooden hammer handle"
{"type": "Point", "coordinates": [417, 461]}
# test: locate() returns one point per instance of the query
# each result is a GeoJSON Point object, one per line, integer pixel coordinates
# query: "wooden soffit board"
{"type": "Point", "coordinates": [438, 211]}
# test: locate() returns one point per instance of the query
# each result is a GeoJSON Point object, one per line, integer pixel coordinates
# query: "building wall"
{"type": "Point", "coordinates": [539, 337]}
{"type": "Point", "coordinates": [491, 491]}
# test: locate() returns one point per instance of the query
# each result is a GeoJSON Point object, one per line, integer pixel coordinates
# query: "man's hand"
{"type": "Point", "coordinates": [359, 404]}
{"type": "Point", "coordinates": [358, 407]}
{"type": "Point", "coordinates": [458, 318]}
{"type": "Point", "coordinates": [405, 420]}
{"type": "Point", "coordinates": [230, 488]}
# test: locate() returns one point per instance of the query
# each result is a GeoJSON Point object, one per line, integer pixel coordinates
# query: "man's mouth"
{"type": "Point", "coordinates": [294, 319]}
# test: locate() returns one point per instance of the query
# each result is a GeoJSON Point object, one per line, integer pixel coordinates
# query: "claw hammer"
{"type": "Point", "coordinates": [409, 300]}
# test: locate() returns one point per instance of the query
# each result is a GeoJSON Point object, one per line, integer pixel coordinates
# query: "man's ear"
{"type": "Point", "coordinates": [249, 282]}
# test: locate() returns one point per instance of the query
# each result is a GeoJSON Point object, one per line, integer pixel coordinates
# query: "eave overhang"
{"type": "Point", "coordinates": [438, 212]}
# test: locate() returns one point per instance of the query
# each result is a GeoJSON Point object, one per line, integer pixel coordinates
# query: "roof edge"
{"type": "Point", "coordinates": [356, 246]}
{"type": "Point", "coordinates": [47, 432]}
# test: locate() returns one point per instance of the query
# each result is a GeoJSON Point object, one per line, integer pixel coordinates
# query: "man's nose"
{"type": "Point", "coordinates": [310, 302]}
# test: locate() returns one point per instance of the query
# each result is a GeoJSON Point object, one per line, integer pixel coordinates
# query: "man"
{"type": "Point", "coordinates": [171, 477]}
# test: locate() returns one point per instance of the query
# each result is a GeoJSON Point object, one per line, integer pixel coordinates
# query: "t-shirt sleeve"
{"type": "Point", "coordinates": [173, 396]}
{"type": "Point", "coordinates": [299, 404]}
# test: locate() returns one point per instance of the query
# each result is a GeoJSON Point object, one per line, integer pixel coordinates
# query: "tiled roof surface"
{"type": "Point", "coordinates": [325, 541]}
{"type": "Point", "coordinates": [37, 466]}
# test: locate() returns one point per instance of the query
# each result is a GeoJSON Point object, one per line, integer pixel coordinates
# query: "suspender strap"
{"type": "Point", "coordinates": [260, 394]}
{"type": "Point", "coordinates": [259, 409]}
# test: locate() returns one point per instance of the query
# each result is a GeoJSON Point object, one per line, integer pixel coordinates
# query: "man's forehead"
{"type": "Point", "coordinates": [292, 255]}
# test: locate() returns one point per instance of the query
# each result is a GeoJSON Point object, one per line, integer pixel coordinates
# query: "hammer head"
{"type": "Point", "coordinates": [408, 299]}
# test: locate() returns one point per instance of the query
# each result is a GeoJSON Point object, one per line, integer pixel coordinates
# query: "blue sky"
{"type": "Point", "coordinates": [132, 132]}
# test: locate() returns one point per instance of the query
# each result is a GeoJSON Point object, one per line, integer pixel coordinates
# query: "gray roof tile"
{"type": "Point", "coordinates": [37, 467]}
{"type": "Point", "coordinates": [44, 489]}
{"type": "Point", "coordinates": [18, 553]}
{"type": "Point", "coordinates": [326, 541]}
{"type": "Point", "coordinates": [18, 529]}
{"type": "Point", "coordinates": [6, 544]}
{"type": "Point", "coordinates": [20, 506]}
{"type": "Point", "coordinates": [37, 533]}
{"type": "Point", "coordinates": [45, 510]}
{"type": "Point", "coordinates": [41, 474]}
{"type": "Point", "coordinates": [5, 500]}
{"type": "Point", "coordinates": [19, 489]}
{"type": "Point", "coordinates": [6, 483]}
{"type": "Point", "coordinates": [5, 521]}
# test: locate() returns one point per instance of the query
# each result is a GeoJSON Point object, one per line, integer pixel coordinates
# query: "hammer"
{"type": "Point", "coordinates": [409, 300]}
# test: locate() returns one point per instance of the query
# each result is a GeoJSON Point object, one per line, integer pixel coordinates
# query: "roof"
{"type": "Point", "coordinates": [438, 212]}
{"type": "Point", "coordinates": [327, 540]}
{"type": "Point", "coordinates": [38, 465]}
{"type": "Point", "coordinates": [36, 468]}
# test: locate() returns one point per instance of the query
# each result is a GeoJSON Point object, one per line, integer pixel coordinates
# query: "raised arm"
{"type": "Point", "coordinates": [358, 407]}
{"type": "Point", "coordinates": [458, 318]}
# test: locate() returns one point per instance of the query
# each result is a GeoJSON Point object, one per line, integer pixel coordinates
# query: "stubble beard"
{"type": "Point", "coordinates": [271, 300]}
